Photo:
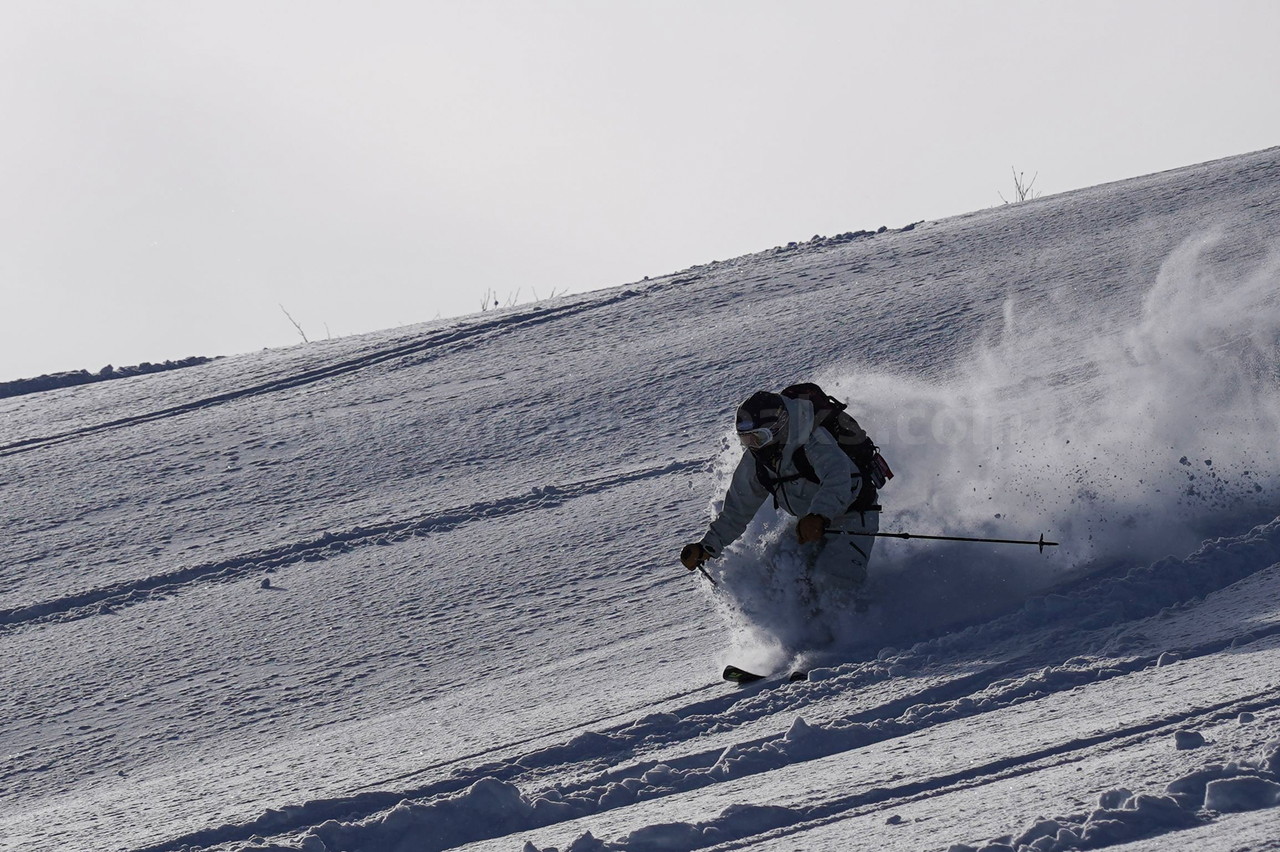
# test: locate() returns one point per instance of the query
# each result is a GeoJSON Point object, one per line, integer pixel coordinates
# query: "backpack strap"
{"type": "Point", "coordinates": [866, 499]}
{"type": "Point", "coordinates": [864, 502]}
{"type": "Point", "coordinates": [772, 481]}
{"type": "Point", "coordinates": [867, 495]}
{"type": "Point", "coordinates": [804, 467]}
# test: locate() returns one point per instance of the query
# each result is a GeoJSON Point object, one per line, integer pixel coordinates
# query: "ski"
{"type": "Point", "coordinates": [733, 674]}
{"type": "Point", "coordinates": [737, 675]}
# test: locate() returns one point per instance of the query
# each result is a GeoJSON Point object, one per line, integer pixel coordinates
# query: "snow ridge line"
{"type": "Point", "coordinates": [341, 368]}
{"type": "Point", "coordinates": [127, 592]}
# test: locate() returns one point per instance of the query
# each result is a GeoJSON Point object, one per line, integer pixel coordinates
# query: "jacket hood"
{"type": "Point", "coordinates": [800, 425]}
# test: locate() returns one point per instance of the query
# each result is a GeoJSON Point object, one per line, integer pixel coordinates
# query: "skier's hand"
{"type": "Point", "coordinates": [811, 528]}
{"type": "Point", "coordinates": [694, 555]}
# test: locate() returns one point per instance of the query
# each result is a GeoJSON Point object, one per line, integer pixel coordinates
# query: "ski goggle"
{"type": "Point", "coordinates": [754, 439]}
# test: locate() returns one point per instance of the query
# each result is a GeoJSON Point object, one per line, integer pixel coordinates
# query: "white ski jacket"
{"type": "Point", "coordinates": [839, 486]}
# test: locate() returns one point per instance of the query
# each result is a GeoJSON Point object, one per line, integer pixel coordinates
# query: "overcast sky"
{"type": "Point", "coordinates": [172, 172]}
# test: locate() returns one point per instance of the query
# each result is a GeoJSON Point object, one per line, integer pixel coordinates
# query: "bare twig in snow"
{"type": "Point", "coordinates": [1022, 187]}
{"type": "Point", "coordinates": [295, 325]}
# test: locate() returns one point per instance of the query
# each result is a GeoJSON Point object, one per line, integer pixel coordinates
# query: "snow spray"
{"type": "Point", "coordinates": [1125, 442]}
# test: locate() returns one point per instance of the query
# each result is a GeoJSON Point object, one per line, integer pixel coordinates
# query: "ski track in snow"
{"type": "Point", "coordinates": [478, 641]}
{"type": "Point", "coordinates": [106, 599]}
{"type": "Point", "coordinates": [446, 340]}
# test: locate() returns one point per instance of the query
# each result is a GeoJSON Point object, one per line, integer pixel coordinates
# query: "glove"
{"type": "Point", "coordinates": [811, 528]}
{"type": "Point", "coordinates": [694, 555]}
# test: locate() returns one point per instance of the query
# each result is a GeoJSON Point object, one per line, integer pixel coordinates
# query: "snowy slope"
{"type": "Point", "coordinates": [418, 590]}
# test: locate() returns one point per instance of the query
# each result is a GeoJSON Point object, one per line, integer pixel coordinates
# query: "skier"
{"type": "Point", "coordinates": [786, 455]}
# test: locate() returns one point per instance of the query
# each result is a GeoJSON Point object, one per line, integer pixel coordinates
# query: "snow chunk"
{"type": "Point", "coordinates": [1183, 740]}
{"type": "Point", "coordinates": [799, 730]}
{"type": "Point", "coordinates": [1114, 798]}
{"type": "Point", "coordinates": [756, 819]}
{"type": "Point", "coordinates": [1271, 762]}
{"type": "Point", "coordinates": [1245, 793]}
{"type": "Point", "coordinates": [735, 822]}
{"type": "Point", "coordinates": [1189, 789]}
{"type": "Point", "coordinates": [587, 843]}
{"type": "Point", "coordinates": [1142, 816]}
{"type": "Point", "coordinates": [1042, 828]}
{"type": "Point", "coordinates": [660, 776]}
{"type": "Point", "coordinates": [663, 837]}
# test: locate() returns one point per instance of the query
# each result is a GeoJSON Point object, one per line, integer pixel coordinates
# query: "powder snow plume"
{"type": "Point", "coordinates": [1156, 434]}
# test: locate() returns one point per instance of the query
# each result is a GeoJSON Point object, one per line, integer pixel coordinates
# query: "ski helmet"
{"type": "Point", "coordinates": [762, 420]}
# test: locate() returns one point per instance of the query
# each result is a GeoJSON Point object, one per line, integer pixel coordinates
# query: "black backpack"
{"type": "Point", "coordinates": [829, 413]}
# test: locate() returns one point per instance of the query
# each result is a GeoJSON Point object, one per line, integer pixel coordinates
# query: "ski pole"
{"type": "Point", "coordinates": [704, 573]}
{"type": "Point", "coordinates": [1042, 544]}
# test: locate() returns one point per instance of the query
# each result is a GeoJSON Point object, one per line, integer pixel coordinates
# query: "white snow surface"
{"type": "Point", "coordinates": [419, 590]}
